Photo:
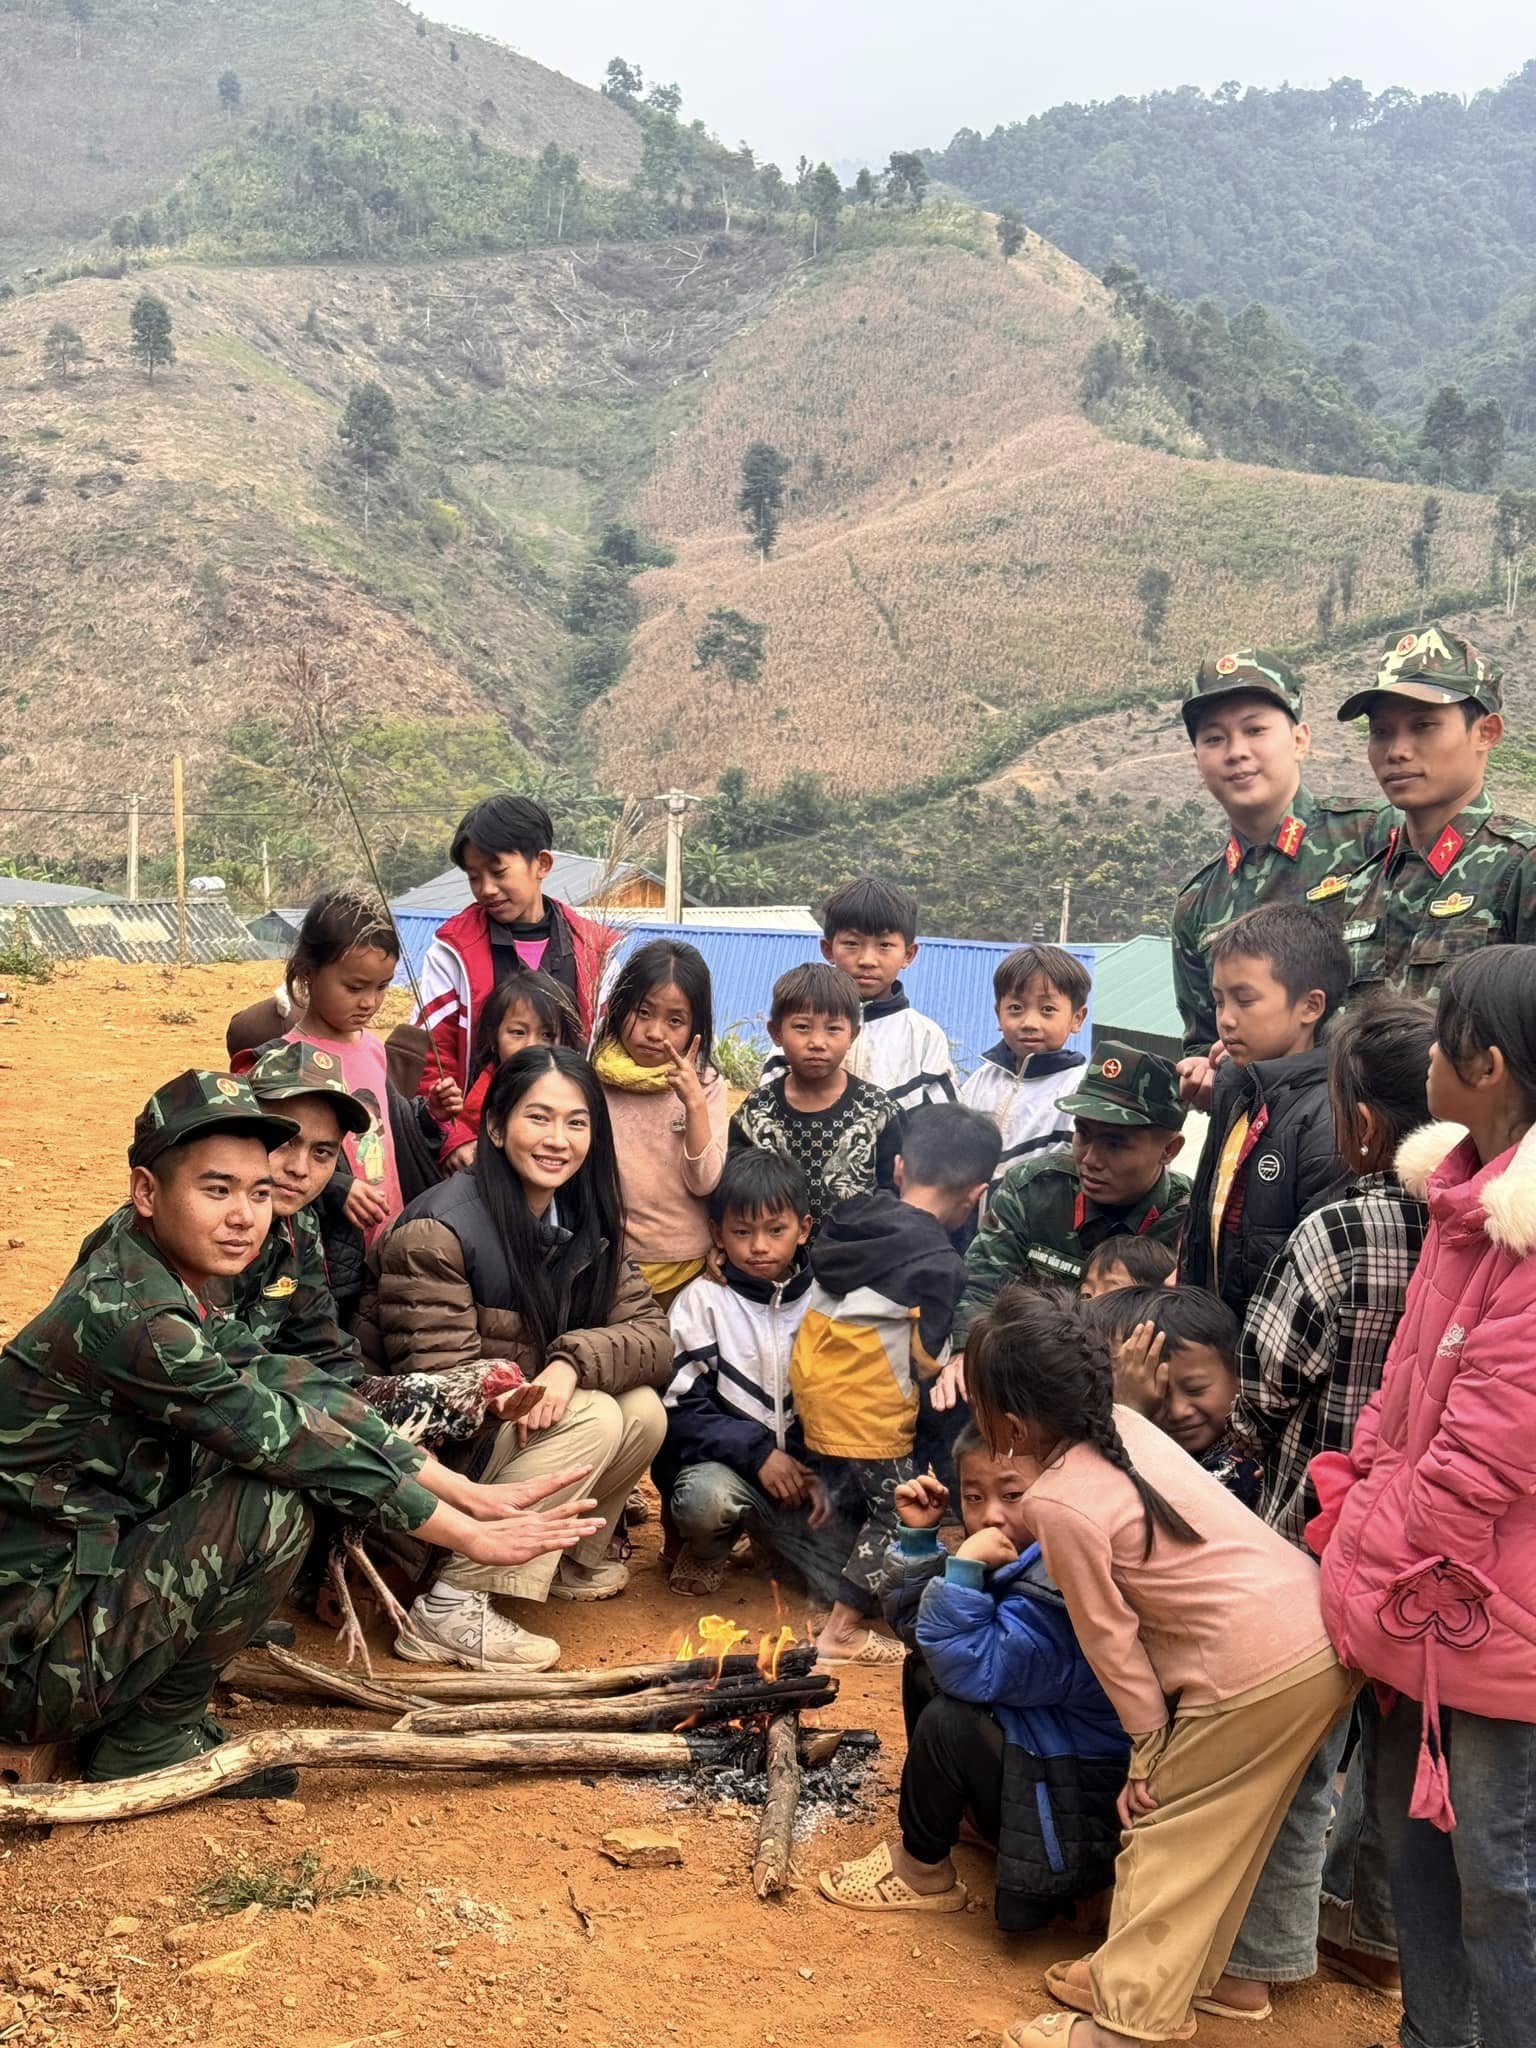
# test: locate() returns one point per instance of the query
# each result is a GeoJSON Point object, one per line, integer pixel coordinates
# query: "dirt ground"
{"type": "Point", "coordinates": [476, 1940]}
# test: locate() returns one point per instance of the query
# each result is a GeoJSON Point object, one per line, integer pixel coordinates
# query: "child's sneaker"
{"type": "Point", "coordinates": [692, 1574]}
{"type": "Point", "coordinates": [449, 1625]}
{"type": "Point", "coordinates": [576, 1581]}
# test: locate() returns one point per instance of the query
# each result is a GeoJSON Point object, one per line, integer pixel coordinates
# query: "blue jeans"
{"type": "Point", "coordinates": [712, 1504]}
{"type": "Point", "coordinates": [1277, 1943]}
{"type": "Point", "coordinates": [1357, 1893]}
{"type": "Point", "coordinates": [1466, 1901]}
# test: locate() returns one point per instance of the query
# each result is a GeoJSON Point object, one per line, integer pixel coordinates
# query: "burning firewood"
{"type": "Point", "coordinates": [658, 1707]}
{"type": "Point", "coordinates": [279, 1674]}
{"type": "Point", "coordinates": [776, 1834]}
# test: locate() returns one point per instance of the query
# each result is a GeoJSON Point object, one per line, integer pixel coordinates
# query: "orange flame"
{"type": "Point", "coordinates": [712, 1636]}
{"type": "Point", "coordinates": [770, 1649]}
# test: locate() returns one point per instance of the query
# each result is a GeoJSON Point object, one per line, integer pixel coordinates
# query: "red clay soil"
{"type": "Point", "coordinates": [476, 1940]}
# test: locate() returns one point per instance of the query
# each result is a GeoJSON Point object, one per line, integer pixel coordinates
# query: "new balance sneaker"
{"type": "Point", "coordinates": [576, 1581]}
{"type": "Point", "coordinates": [449, 1625]}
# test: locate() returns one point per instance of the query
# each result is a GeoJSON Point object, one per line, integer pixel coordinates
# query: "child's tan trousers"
{"type": "Point", "coordinates": [1186, 1872]}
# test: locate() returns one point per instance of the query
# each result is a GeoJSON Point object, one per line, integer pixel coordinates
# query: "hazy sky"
{"type": "Point", "coordinates": [855, 79]}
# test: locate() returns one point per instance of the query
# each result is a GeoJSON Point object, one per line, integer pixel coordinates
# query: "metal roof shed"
{"type": "Point", "coordinates": [950, 981]}
{"type": "Point", "coordinates": [1133, 996]}
{"type": "Point", "coordinates": [131, 932]}
{"type": "Point", "coordinates": [16, 889]}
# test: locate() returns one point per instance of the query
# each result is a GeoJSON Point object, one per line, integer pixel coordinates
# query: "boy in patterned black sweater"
{"type": "Point", "coordinates": [844, 1133]}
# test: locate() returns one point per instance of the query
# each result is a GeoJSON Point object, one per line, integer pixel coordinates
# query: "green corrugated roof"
{"type": "Point", "coordinates": [1133, 994]}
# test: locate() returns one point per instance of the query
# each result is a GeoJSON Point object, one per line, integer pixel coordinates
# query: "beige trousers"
{"type": "Point", "coordinates": [1186, 1872]}
{"type": "Point", "coordinates": [616, 1434]}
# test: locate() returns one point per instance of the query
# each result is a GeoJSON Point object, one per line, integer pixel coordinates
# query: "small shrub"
{"type": "Point", "coordinates": [737, 1060]}
{"type": "Point", "coordinates": [295, 1888]}
{"type": "Point", "coordinates": [176, 1016]}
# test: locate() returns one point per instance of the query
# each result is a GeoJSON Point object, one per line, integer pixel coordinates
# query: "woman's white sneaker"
{"type": "Point", "coordinates": [450, 1625]}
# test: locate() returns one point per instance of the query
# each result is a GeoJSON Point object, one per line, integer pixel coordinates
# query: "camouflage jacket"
{"type": "Point", "coordinates": [1408, 917]}
{"type": "Point", "coordinates": [283, 1298]}
{"type": "Point", "coordinates": [106, 1399]}
{"type": "Point", "coordinates": [1041, 1226]}
{"type": "Point", "coordinates": [1315, 848]}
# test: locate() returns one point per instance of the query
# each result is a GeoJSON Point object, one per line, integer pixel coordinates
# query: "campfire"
{"type": "Point", "coordinates": [714, 1707]}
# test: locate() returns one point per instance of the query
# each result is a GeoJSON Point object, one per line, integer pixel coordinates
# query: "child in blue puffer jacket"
{"type": "Point", "coordinates": [1006, 1723]}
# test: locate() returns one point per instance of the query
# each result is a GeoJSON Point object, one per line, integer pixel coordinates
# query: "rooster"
{"type": "Point", "coordinates": [434, 1410]}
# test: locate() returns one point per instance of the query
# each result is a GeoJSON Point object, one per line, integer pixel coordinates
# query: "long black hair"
{"type": "Point", "coordinates": [1034, 1354]}
{"type": "Point", "coordinates": [549, 1001]}
{"type": "Point", "coordinates": [654, 965]}
{"type": "Point", "coordinates": [1489, 999]}
{"type": "Point", "coordinates": [573, 1287]}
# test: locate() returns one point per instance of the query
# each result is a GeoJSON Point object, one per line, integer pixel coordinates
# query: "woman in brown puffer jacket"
{"type": "Point", "coordinates": [521, 1259]}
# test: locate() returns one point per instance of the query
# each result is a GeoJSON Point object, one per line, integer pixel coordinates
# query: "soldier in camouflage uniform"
{"type": "Point", "coordinates": [155, 1485]}
{"type": "Point", "coordinates": [1455, 875]}
{"type": "Point", "coordinates": [1050, 1211]}
{"type": "Point", "coordinates": [283, 1299]}
{"type": "Point", "coordinates": [1285, 843]}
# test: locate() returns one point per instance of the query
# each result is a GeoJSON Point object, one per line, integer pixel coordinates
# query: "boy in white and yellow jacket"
{"type": "Point", "coordinates": [885, 1283]}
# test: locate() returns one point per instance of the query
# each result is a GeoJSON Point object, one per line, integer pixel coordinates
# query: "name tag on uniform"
{"type": "Point", "coordinates": [1330, 885]}
{"type": "Point", "coordinates": [1452, 905]}
{"type": "Point", "coordinates": [1362, 929]}
{"type": "Point", "coordinates": [280, 1289]}
{"type": "Point", "coordinates": [1053, 1262]}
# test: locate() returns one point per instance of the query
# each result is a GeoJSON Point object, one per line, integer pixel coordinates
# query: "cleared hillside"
{"type": "Point", "coordinates": [169, 544]}
{"type": "Point", "coordinates": [961, 545]}
{"type": "Point", "coordinates": [90, 130]}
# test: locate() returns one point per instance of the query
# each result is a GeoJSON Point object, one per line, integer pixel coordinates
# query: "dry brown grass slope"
{"type": "Point", "coordinates": [528, 390]}
{"type": "Point", "coordinates": [961, 543]}
{"type": "Point", "coordinates": [86, 136]}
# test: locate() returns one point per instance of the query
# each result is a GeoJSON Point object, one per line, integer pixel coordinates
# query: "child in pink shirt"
{"type": "Point", "coordinates": [668, 1106]}
{"type": "Point", "coordinates": [1204, 1629]}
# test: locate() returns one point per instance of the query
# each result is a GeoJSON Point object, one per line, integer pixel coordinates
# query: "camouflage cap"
{"type": "Point", "coordinates": [1124, 1086]}
{"type": "Point", "coordinates": [1432, 666]}
{"type": "Point", "coordinates": [296, 1068]}
{"type": "Point", "coordinates": [197, 1104]}
{"type": "Point", "coordinates": [1253, 669]}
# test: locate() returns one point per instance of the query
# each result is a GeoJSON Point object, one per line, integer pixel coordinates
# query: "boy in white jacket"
{"type": "Point", "coordinates": [1042, 1001]}
{"type": "Point", "coordinates": [734, 1459]}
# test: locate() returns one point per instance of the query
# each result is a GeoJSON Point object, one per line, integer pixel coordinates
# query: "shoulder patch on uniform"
{"type": "Point", "coordinates": [280, 1289]}
{"type": "Point", "coordinates": [1268, 1166]}
{"type": "Point", "coordinates": [1517, 829]}
{"type": "Point", "coordinates": [1452, 905]}
{"type": "Point", "coordinates": [1330, 885]}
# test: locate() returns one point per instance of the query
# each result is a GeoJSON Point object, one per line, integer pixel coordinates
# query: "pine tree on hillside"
{"type": "Point", "coordinates": [824, 201]}
{"type": "Point", "coordinates": [63, 349]}
{"type": "Point", "coordinates": [1154, 587]}
{"type": "Point", "coordinates": [149, 327]}
{"type": "Point", "coordinates": [229, 91]}
{"type": "Point", "coordinates": [1421, 549]}
{"type": "Point", "coordinates": [1485, 443]}
{"type": "Point", "coordinates": [761, 504]}
{"type": "Point", "coordinates": [906, 178]}
{"type": "Point", "coordinates": [1445, 427]}
{"type": "Point", "coordinates": [81, 13]}
{"type": "Point", "coordinates": [367, 431]}
{"type": "Point", "coordinates": [1011, 232]}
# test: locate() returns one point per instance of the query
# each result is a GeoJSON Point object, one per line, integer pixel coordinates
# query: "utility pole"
{"type": "Point", "coordinates": [677, 802]}
{"type": "Point", "coordinates": [133, 847]}
{"type": "Point", "coordinates": [266, 878]}
{"type": "Point", "coordinates": [179, 826]}
{"type": "Point", "coordinates": [1066, 905]}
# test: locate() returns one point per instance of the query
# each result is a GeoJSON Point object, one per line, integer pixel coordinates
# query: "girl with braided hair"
{"type": "Point", "coordinates": [1204, 1629]}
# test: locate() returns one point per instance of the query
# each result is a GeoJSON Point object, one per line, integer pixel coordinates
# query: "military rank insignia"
{"type": "Point", "coordinates": [1452, 905]}
{"type": "Point", "coordinates": [1330, 885]}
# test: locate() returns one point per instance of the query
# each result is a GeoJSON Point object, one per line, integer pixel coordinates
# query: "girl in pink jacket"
{"type": "Point", "coordinates": [1428, 1532]}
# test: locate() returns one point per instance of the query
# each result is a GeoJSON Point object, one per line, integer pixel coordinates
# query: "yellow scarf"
{"type": "Point", "coordinates": [615, 1069]}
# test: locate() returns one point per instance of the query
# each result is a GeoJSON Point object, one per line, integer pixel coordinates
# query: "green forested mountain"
{"type": "Point", "coordinates": [1394, 223]}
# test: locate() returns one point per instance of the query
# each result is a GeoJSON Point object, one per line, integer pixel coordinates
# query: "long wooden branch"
{"type": "Point", "coordinates": [776, 1835]}
{"type": "Point", "coordinates": [659, 1707]}
{"type": "Point", "coordinates": [273, 1673]}
{"type": "Point", "coordinates": [353, 1749]}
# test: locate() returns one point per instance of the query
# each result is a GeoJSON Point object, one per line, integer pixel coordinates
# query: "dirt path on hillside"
{"type": "Point", "coordinates": [474, 1941]}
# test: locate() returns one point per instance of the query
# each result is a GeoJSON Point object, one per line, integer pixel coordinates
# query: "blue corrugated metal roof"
{"type": "Point", "coordinates": [950, 980]}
